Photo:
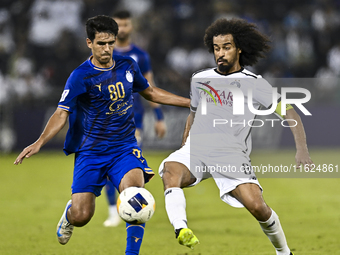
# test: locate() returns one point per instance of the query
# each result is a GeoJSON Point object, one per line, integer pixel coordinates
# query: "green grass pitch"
{"type": "Point", "coordinates": [33, 196]}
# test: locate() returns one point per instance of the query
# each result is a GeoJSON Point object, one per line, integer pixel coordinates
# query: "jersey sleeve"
{"type": "Point", "coordinates": [139, 82]}
{"type": "Point", "coordinates": [194, 96]}
{"type": "Point", "coordinates": [264, 93]}
{"type": "Point", "coordinates": [73, 88]}
{"type": "Point", "coordinates": [144, 63]}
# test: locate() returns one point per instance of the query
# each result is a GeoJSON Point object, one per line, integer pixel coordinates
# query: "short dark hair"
{"type": "Point", "coordinates": [123, 14]}
{"type": "Point", "coordinates": [246, 37]}
{"type": "Point", "coordinates": [99, 24]}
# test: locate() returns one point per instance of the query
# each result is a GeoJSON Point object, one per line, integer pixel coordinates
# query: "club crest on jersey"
{"type": "Point", "coordinates": [236, 83]}
{"type": "Point", "coordinates": [129, 76]}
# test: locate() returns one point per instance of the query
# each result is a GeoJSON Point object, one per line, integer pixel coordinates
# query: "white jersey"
{"type": "Point", "coordinates": [216, 127]}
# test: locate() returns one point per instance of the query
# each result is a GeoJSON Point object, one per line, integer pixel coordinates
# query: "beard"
{"type": "Point", "coordinates": [224, 68]}
{"type": "Point", "coordinates": [226, 65]}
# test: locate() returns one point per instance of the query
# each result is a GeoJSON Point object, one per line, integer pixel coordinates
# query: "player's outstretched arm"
{"type": "Point", "coordinates": [302, 154]}
{"type": "Point", "coordinates": [161, 96]}
{"type": "Point", "coordinates": [53, 126]}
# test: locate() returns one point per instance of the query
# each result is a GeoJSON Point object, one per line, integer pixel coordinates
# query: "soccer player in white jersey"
{"type": "Point", "coordinates": [235, 43]}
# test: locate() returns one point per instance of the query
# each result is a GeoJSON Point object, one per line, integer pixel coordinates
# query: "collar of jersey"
{"type": "Point", "coordinates": [100, 68]}
{"type": "Point", "coordinates": [229, 73]}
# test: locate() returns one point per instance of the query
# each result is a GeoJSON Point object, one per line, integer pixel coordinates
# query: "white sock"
{"type": "Point", "coordinates": [113, 211]}
{"type": "Point", "coordinates": [175, 207]}
{"type": "Point", "coordinates": [272, 228]}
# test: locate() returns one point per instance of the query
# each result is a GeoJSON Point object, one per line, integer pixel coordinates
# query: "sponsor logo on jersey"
{"type": "Point", "coordinates": [212, 89]}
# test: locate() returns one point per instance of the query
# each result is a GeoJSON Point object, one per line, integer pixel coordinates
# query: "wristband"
{"type": "Point", "coordinates": [278, 108]}
{"type": "Point", "coordinates": [159, 114]}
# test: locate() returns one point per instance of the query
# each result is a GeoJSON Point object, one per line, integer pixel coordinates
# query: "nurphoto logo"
{"type": "Point", "coordinates": [238, 100]}
{"type": "Point", "coordinates": [237, 94]}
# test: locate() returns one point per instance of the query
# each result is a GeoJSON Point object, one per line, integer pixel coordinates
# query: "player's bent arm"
{"type": "Point", "coordinates": [188, 125]}
{"type": "Point", "coordinates": [162, 96]}
{"type": "Point", "coordinates": [296, 126]}
{"type": "Point", "coordinates": [53, 126]}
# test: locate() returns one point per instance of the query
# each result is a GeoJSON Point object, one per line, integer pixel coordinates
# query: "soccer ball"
{"type": "Point", "coordinates": [136, 205]}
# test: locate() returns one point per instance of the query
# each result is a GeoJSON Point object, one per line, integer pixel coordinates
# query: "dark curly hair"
{"type": "Point", "coordinates": [246, 37]}
{"type": "Point", "coordinates": [99, 24]}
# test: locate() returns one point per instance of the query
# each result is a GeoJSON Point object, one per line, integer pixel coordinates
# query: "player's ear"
{"type": "Point", "coordinates": [239, 51]}
{"type": "Point", "coordinates": [89, 43]}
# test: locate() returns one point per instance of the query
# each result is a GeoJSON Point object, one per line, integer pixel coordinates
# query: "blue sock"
{"type": "Point", "coordinates": [111, 192]}
{"type": "Point", "coordinates": [134, 238]}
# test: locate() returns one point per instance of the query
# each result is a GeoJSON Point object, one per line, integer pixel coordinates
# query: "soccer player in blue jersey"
{"type": "Point", "coordinates": [98, 101]}
{"type": "Point", "coordinates": [124, 47]}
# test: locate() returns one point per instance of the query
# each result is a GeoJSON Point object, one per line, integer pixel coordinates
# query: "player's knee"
{"type": "Point", "coordinates": [171, 177]}
{"type": "Point", "coordinates": [260, 211]}
{"type": "Point", "coordinates": [81, 217]}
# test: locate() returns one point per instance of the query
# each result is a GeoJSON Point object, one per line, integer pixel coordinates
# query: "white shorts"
{"type": "Point", "coordinates": [224, 168]}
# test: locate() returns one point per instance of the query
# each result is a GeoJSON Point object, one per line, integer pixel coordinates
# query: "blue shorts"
{"type": "Point", "coordinates": [91, 171]}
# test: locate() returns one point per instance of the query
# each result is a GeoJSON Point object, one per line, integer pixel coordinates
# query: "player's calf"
{"type": "Point", "coordinates": [273, 230]}
{"type": "Point", "coordinates": [134, 238]}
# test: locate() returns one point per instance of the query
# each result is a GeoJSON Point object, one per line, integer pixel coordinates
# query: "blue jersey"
{"type": "Point", "coordinates": [143, 61]}
{"type": "Point", "coordinates": [100, 104]}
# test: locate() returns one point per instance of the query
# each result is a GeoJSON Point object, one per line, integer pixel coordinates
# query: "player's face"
{"type": "Point", "coordinates": [226, 54]}
{"type": "Point", "coordinates": [102, 47]}
{"type": "Point", "coordinates": [125, 29]}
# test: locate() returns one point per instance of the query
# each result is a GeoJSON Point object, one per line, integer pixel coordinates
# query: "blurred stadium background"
{"type": "Point", "coordinates": [42, 41]}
